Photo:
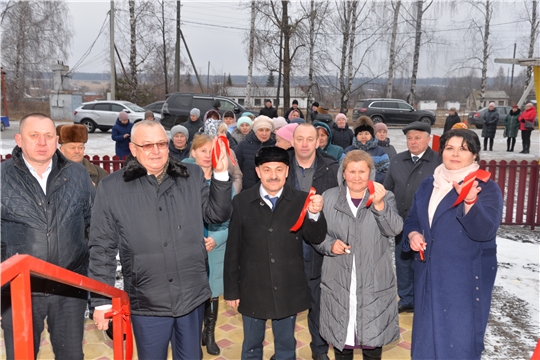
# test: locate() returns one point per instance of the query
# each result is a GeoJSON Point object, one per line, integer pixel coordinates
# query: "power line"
{"type": "Point", "coordinates": [87, 52]}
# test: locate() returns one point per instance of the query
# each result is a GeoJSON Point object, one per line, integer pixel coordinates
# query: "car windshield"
{"type": "Point", "coordinates": [133, 107]}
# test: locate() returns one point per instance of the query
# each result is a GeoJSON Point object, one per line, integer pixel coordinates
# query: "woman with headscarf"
{"type": "Point", "coordinates": [452, 227]}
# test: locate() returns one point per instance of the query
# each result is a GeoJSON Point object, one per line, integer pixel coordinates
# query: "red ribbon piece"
{"type": "Point", "coordinates": [422, 258]}
{"type": "Point", "coordinates": [371, 189]}
{"type": "Point", "coordinates": [468, 182]}
{"type": "Point", "coordinates": [303, 213]}
{"type": "Point", "coordinates": [216, 150]}
{"type": "Point", "coordinates": [125, 313]}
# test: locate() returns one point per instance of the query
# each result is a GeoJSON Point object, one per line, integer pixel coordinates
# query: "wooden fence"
{"type": "Point", "coordinates": [518, 181]}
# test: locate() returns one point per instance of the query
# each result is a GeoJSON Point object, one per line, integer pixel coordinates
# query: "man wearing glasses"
{"type": "Point", "coordinates": [152, 212]}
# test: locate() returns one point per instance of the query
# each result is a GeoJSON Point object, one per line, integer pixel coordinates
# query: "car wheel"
{"type": "Point", "coordinates": [104, 130]}
{"type": "Point", "coordinates": [426, 120]}
{"type": "Point", "coordinates": [90, 125]}
{"type": "Point", "coordinates": [478, 126]}
{"type": "Point", "coordinates": [377, 119]}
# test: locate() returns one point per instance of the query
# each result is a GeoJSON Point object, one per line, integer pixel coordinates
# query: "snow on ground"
{"type": "Point", "coordinates": [513, 328]}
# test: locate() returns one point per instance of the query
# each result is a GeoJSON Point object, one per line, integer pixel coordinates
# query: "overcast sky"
{"type": "Point", "coordinates": [215, 31]}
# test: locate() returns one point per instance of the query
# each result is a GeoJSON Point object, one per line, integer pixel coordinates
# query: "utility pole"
{"type": "Point", "coordinates": [177, 50]}
{"type": "Point", "coordinates": [208, 78]}
{"type": "Point", "coordinates": [512, 78]}
{"type": "Point", "coordinates": [113, 71]}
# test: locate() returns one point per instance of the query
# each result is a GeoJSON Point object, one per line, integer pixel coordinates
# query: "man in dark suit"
{"type": "Point", "coordinates": [312, 167]}
{"type": "Point", "coordinates": [263, 271]}
{"type": "Point", "coordinates": [406, 172]}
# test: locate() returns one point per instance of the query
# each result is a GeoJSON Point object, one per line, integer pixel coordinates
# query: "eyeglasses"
{"type": "Point", "coordinates": [149, 147]}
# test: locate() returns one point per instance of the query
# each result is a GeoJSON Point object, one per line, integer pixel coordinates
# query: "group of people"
{"type": "Point", "coordinates": [514, 122]}
{"type": "Point", "coordinates": [303, 227]}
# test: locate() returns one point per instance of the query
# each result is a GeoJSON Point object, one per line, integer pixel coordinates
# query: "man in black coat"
{"type": "Point", "coordinates": [312, 167]}
{"type": "Point", "coordinates": [263, 274]}
{"type": "Point", "coordinates": [152, 213]}
{"type": "Point", "coordinates": [46, 207]}
{"type": "Point", "coordinates": [452, 119]}
{"type": "Point", "coordinates": [407, 170]}
{"type": "Point", "coordinates": [268, 109]}
{"type": "Point", "coordinates": [294, 107]}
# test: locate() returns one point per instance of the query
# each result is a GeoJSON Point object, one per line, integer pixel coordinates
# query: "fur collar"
{"type": "Point", "coordinates": [134, 170]}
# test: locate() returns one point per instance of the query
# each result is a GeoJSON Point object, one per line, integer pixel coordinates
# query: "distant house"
{"type": "Point", "coordinates": [259, 94]}
{"type": "Point", "coordinates": [474, 100]}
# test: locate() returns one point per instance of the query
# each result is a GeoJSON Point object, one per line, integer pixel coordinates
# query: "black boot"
{"type": "Point", "coordinates": [346, 354]}
{"type": "Point", "coordinates": [210, 318]}
{"type": "Point", "coordinates": [513, 144]}
{"type": "Point", "coordinates": [374, 354]}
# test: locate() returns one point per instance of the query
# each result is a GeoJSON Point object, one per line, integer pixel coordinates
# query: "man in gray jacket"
{"type": "Point", "coordinates": [406, 172]}
{"type": "Point", "coordinates": [152, 212]}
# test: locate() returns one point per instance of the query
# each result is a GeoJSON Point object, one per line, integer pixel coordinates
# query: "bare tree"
{"type": "Point", "coordinates": [534, 22]}
{"type": "Point", "coordinates": [32, 39]}
{"type": "Point", "coordinates": [250, 52]}
{"type": "Point", "coordinates": [392, 52]}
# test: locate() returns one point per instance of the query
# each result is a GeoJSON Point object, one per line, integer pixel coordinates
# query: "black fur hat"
{"type": "Point", "coordinates": [271, 154]}
{"type": "Point", "coordinates": [364, 124]}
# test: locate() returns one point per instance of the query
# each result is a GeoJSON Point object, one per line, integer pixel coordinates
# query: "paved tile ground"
{"type": "Point", "coordinates": [229, 338]}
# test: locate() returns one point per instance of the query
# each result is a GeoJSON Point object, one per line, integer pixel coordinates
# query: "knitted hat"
{"type": "Point", "coordinates": [295, 102]}
{"type": "Point", "coordinates": [195, 112]}
{"type": "Point", "coordinates": [492, 104]}
{"type": "Point", "coordinates": [75, 133]}
{"type": "Point", "coordinates": [417, 125]}
{"type": "Point", "coordinates": [460, 125]}
{"type": "Point", "coordinates": [217, 104]}
{"type": "Point", "coordinates": [380, 126]}
{"type": "Point", "coordinates": [148, 114]}
{"type": "Point", "coordinates": [279, 122]}
{"type": "Point", "coordinates": [298, 121]}
{"type": "Point", "coordinates": [262, 122]}
{"type": "Point", "coordinates": [268, 100]}
{"type": "Point", "coordinates": [179, 129]}
{"type": "Point", "coordinates": [287, 131]}
{"type": "Point", "coordinates": [271, 154]}
{"type": "Point", "coordinates": [243, 120]}
{"type": "Point", "coordinates": [364, 124]}
{"type": "Point", "coordinates": [248, 114]}
{"type": "Point", "coordinates": [341, 116]}
{"type": "Point", "coordinates": [315, 104]}
{"type": "Point", "coordinates": [123, 116]}
{"type": "Point", "coordinates": [211, 126]}
{"type": "Point", "coordinates": [323, 110]}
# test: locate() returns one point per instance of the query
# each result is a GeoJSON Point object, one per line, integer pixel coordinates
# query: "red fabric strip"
{"type": "Point", "coordinates": [371, 189]}
{"type": "Point", "coordinates": [303, 213]}
{"type": "Point", "coordinates": [468, 182]}
{"type": "Point", "coordinates": [125, 313]}
{"type": "Point", "coordinates": [216, 151]}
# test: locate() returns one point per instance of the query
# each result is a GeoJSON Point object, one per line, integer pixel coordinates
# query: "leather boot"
{"type": "Point", "coordinates": [210, 318]}
{"type": "Point", "coordinates": [375, 354]}
{"type": "Point", "coordinates": [346, 354]}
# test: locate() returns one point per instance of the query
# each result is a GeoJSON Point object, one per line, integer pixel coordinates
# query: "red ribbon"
{"type": "Point", "coordinates": [467, 184]}
{"type": "Point", "coordinates": [303, 213]}
{"type": "Point", "coordinates": [371, 189]}
{"type": "Point", "coordinates": [216, 150]}
{"type": "Point", "coordinates": [125, 313]}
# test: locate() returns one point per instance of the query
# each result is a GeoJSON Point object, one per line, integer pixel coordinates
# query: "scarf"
{"type": "Point", "coordinates": [443, 182]}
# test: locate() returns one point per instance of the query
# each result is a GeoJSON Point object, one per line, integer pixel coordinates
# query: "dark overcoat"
{"type": "Point", "coordinates": [452, 289]}
{"type": "Point", "coordinates": [490, 119]}
{"type": "Point", "coordinates": [264, 264]}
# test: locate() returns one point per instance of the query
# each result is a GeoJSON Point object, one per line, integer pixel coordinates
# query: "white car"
{"type": "Point", "coordinates": [102, 114]}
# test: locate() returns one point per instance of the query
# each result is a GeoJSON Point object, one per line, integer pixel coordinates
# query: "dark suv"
{"type": "Point", "coordinates": [391, 111]}
{"type": "Point", "coordinates": [178, 105]}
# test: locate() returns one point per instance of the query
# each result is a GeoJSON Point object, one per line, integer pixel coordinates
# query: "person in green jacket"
{"type": "Point", "coordinates": [325, 141]}
{"type": "Point", "coordinates": [511, 125]}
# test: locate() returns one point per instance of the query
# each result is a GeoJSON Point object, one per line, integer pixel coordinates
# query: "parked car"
{"type": "Point", "coordinates": [155, 107]}
{"type": "Point", "coordinates": [178, 105]}
{"type": "Point", "coordinates": [475, 117]}
{"type": "Point", "coordinates": [102, 114]}
{"type": "Point", "coordinates": [391, 111]}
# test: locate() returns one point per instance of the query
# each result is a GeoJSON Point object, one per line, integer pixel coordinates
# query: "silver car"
{"type": "Point", "coordinates": [102, 114]}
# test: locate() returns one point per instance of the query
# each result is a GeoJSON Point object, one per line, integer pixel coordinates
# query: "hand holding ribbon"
{"type": "Point", "coordinates": [219, 150]}
{"type": "Point", "coordinates": [469, 186]}
{"type": "Point", "coordinates": [303, 213]}
{"type": "Point", "coordinates": [125, 313]}
{"type": "Point", "coordinates": [371, 190]}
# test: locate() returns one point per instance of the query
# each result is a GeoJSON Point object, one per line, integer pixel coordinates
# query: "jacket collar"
{"type": "Point", "coordinates": [254, 195]}
{"type": "Point", "coordinates": [59, 161]}
{"type": "Point", "coordinates": [134, 170]}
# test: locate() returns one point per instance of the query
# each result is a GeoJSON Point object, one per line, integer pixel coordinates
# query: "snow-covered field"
{"type": "Point", "coordinates": [513, 328]}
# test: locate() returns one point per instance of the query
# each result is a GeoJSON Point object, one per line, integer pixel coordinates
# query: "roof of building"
{"type": "Point", "coordinates": [264, 92]}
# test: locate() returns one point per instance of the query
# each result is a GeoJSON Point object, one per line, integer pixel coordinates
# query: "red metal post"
{"type": "Point", "coordinates": [21, 307]}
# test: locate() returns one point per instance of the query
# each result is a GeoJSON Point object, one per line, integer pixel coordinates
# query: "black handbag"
{"type": "Point", "coordinates": [529, 125]}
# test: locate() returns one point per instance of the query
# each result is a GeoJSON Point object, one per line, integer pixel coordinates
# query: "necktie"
{"type": "Point", "coordinates": [273, 200]}
{"type": "Point", "coordinates": [415, 159]}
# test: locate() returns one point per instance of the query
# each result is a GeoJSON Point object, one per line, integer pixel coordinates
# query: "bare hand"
{"type": "Point", "coordinates": [316, 204]}
{"type": "Point", "coordinates": [210, 243]}
{"type": "Point", "coordinates": [99, 319]}
{"type": "Point", "coordinates": [417, 241]}
{"type": "Point", "coordinates": [471, 196]}
{"type": "Point", "coordinates": [222, 162]}
{"type": "Point", "coordinates": [126, 135]}
{"type": "Point", "coordinates": [378, 197]}
{"type": "Point", "coordinates": [340, 248]}
{"type": "Point", "coordinates": [233, 303]}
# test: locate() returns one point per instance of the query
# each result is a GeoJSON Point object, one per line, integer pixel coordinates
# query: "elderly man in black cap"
{"type": "Point", "coordinates": [268, 109]}
{"type": "Point", "coordinates": [264, 268]}
{"type": "Point", "coordinates": [72, 138]}
{"type": "Point", "coordinates": [407, 170]}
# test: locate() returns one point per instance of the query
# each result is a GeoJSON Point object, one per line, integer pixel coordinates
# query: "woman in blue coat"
{"type": "Point", "coordinates": [121, 134]}
{"type": "Point", "coordinates": [215, 238]}
{"type": "Point", "coordinates": [454, 282]}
